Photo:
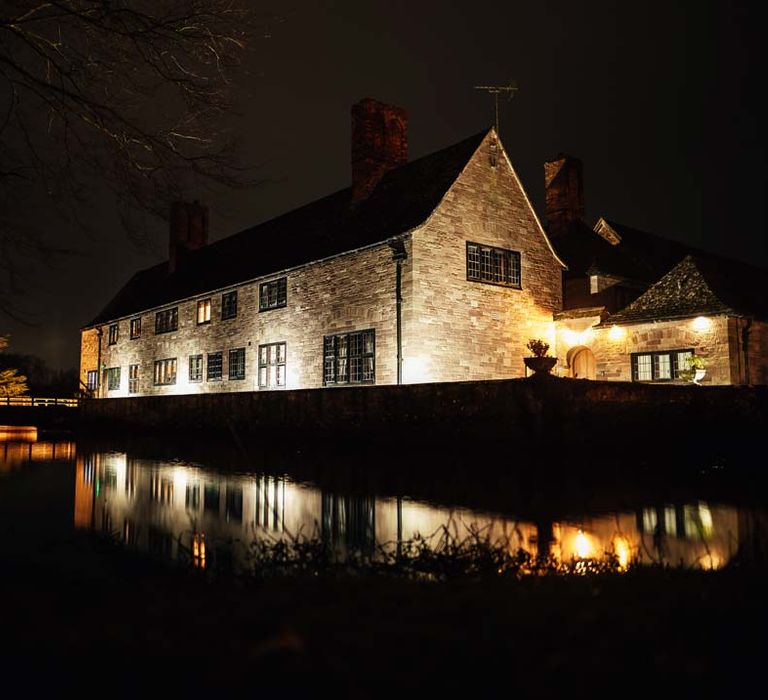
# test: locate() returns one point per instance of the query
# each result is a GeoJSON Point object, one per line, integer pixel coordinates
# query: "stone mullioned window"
{"type": "Point", "coordinates": [493, 265]}
{"type": "Point", "coordinates": [350, 358]}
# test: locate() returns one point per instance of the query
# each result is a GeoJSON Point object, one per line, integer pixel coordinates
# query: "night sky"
{"type": "Point", "coordinates": [660, 100]}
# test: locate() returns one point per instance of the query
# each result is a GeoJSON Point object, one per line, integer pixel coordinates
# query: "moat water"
{"type": "Point", "coordinates": [205, 515]}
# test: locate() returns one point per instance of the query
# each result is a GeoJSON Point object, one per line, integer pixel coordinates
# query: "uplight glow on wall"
{"type": "Point", "coordinates": [701, 323]}
{"type": "Point", "coordinates": [616, 333]}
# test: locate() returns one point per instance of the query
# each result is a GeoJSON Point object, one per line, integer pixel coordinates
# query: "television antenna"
{"type": "Point", "coordinates": [497, 90]}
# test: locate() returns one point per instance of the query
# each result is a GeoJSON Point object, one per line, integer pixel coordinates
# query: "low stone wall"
{"type": "Point", "coordinates": [551, 413]}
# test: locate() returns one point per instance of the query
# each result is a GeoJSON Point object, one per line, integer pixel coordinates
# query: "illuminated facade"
{"type": "Point", "coordinates": [432, 270]}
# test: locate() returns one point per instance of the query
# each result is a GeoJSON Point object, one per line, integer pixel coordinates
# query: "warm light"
{"type": "Point", "coordinates": [198, 550]}
{"type": "Point", "coordinates": [621, 548]}
{"type": "Point", "coordinates": [574, 338]}
{"type": "Point", "coordinates": [415, 370]}
{"type": "Point", "coordinates": [583, 546]}
{"type": "Point", "coordinates": [701, 323]}
{"type": "Point", "coordinates": [616, 333]}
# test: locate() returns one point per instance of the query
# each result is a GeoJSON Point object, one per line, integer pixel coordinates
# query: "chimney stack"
{"type": "Point", "coordinates": [188, 231]}
{"type": "Point", "coordinates": [379, 144]}
{"type": "Point", "coordinates": [563, 194]}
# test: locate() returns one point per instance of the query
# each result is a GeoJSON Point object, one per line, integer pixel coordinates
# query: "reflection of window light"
{"type": "Point", "coordinates": [698, 520]}
{"type": "Point", "coordinates": [198, 550]}
{"type": "Point", "coordinates": [583, 546]}
{"type": "Point", "coordinates": [670, 521]}
{"type": "Point", "coordinates": [621, 548]}
{"type": "Point", "coordinates": [649, 519]}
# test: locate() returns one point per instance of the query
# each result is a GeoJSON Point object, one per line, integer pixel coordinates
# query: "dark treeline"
{"type": "Point", "coordinates": [41, 379]}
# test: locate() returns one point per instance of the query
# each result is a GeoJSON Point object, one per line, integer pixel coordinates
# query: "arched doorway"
{"type": "Point", "coordinates": [582, 363]}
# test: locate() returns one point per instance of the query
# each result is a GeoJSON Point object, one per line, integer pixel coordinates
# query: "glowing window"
{"type": "Point", "coordinates": [114, 332]}
{"type": "Point", "coordinates": [271, 365]}
{"type": "Point", "coordinates": [195, 368]}
{"type": "Point", "coordinates": [135, 328]}
{"type": "Point", "coordinates": [203, 311]}
{"type": "Point", "coordinates": [165, 371]}
{"type": "Point", "coordinates": [133, 379]}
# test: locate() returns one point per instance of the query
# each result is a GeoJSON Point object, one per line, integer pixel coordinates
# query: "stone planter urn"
{"type": "Point", "coordinates": [698, 375]}
{"type": "Point", "coordinates": [540, 365]}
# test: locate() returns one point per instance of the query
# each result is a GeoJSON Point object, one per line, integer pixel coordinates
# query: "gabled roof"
{"type": "Point", "coordinates": [639, 256]}
{"type": "Point", "coordinates": [701, 285]}
{"type": "Point", "coordinates": [404, 198]}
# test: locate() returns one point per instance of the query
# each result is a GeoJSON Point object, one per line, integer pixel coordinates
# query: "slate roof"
{"type": "Point", "coordinates": [403, 199]}
{"type": "Point", "coordinates": [640, 256]}
{"type": "Point", "coordinates": [701, 285]}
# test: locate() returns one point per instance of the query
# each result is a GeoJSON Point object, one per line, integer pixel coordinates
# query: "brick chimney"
{"type": "Point", "coordinates": [379, 143]}
{"type": "Point", "coordinates": [563, 194]}
{"type": "Point", "coordinates": [188, 231]}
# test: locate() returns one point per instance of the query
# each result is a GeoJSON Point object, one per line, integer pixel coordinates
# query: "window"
{"type": "Point", "coordinates": [493, 265]}
{"type": "Point", "coordinates": [195, 368]}
{"type": "Point", "coordinates": [659, 366]}
{"type": "Point", "coordinates": [271, 365]}
{"type": "Point", "coordinates": [214, 366]}
{"type": "Point", "coordinates": [203, 311]}
{"type": "Point", "coordinates": [274, 294]}
{"type": "Point", "coordinates": [133, 379]}
{"type": "Point", "coordinates": [135, 328]}
{"type": "Point", "coordinates": [114, 330]}
{"type": "Point", "coordinates": [349, 358]}
{"type": "Point", "coordinates": [113, 378]}
{"type": "Point", "coordinates": [228, 305]}
{"type": "Point", "coordinates": [166, 321]}
{"type": "Point", "coordinates": [92, 380]}
{"type": "Point", "coordinates": [165, 371]}
{"type": "Point", "coordinates": [237, 363]}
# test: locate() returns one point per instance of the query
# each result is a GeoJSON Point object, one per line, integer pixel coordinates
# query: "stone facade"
{"type": "Point", "coordinates": [452, 328]}
{"type": "Point", "coordinates": [465, 330]}
{"type": "Point", "coordinates": [352, 292]}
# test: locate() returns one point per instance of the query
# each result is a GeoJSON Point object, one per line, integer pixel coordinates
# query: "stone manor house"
{"type": "Point", "coordinates": [432, 270]}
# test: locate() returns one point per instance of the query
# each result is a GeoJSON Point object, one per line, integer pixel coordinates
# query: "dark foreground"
{"type": "Point", "coordinates": [92, 620]}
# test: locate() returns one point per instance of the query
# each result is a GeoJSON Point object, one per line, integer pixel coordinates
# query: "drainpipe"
{"type": "Point", "coordinates": [99, 378]}
{"type": "Point", "coordinates": [745, 348]}
{"type": "Point", "coordinates": [398, 255]}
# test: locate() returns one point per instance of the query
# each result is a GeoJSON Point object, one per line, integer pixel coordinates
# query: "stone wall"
{"type": "Point", "coordinates": [464, 330]}
{"type": "Point", "coordinates": [347, 293]}
{"type": "Point", "coordinates": [89, 353]}
{"type": "Point", "coordinates": [713, 339]}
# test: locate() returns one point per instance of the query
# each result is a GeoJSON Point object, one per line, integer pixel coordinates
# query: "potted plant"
{"type": "Point", "coordinates": [539, 361]}
{"type": "Point", "coordinates": [695, 369]}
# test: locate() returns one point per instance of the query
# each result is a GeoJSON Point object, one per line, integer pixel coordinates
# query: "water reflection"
{"type": "Point", "coordinates": [183, 511]}
{"type": "Point", "coordinates": [19, 446]}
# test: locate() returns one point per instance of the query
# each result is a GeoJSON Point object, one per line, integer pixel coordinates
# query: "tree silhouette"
{"type": "Point", "coordinates": [126, 96]}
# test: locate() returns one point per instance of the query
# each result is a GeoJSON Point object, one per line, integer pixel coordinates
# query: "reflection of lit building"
{"type": "Point", "coordinates": [185, 512]}
{"type": "Point", "coordinates": [18, 447]}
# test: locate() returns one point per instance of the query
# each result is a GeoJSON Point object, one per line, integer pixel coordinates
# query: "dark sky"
{"type": "Point", "coordinates": [659, 99]}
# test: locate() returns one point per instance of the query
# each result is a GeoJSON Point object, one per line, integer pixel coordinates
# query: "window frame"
{"type": "Point", "coordinates": [161, 363]}
{"type": "Point", "coordinates": [209, 355]}
{"type": "Point", "coordinates": [92, 379]}
{"type": "Point", "coordinates": [205, 305]}
{"type": "Point", "coordinates": [112, 373]}
{"type": "Point", "coordinates": [513, 254]}
{"type": "Point", "coordinates": [233, 352]}
{"type": "Point", "coordinates": [269, 363]}
{"type": "Point", "coordinates": [191, 379]}
{"type": "Point", "coordinates": [229, 305]}
{"type": "Point", "coordinates": [113, 334]}
{"type": "Point", "coordinates": [135, 328]}
{"type": "Point", "coordinates": [349, 357]}
{"type": "Point", "coordinates": [172, 324]}
{"type": "Point", "coordinates": [674, 365]}
{"type": "Point", "coordinates": [281, 300]}
{"type": "Point", "coordinates": [133, 379]}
